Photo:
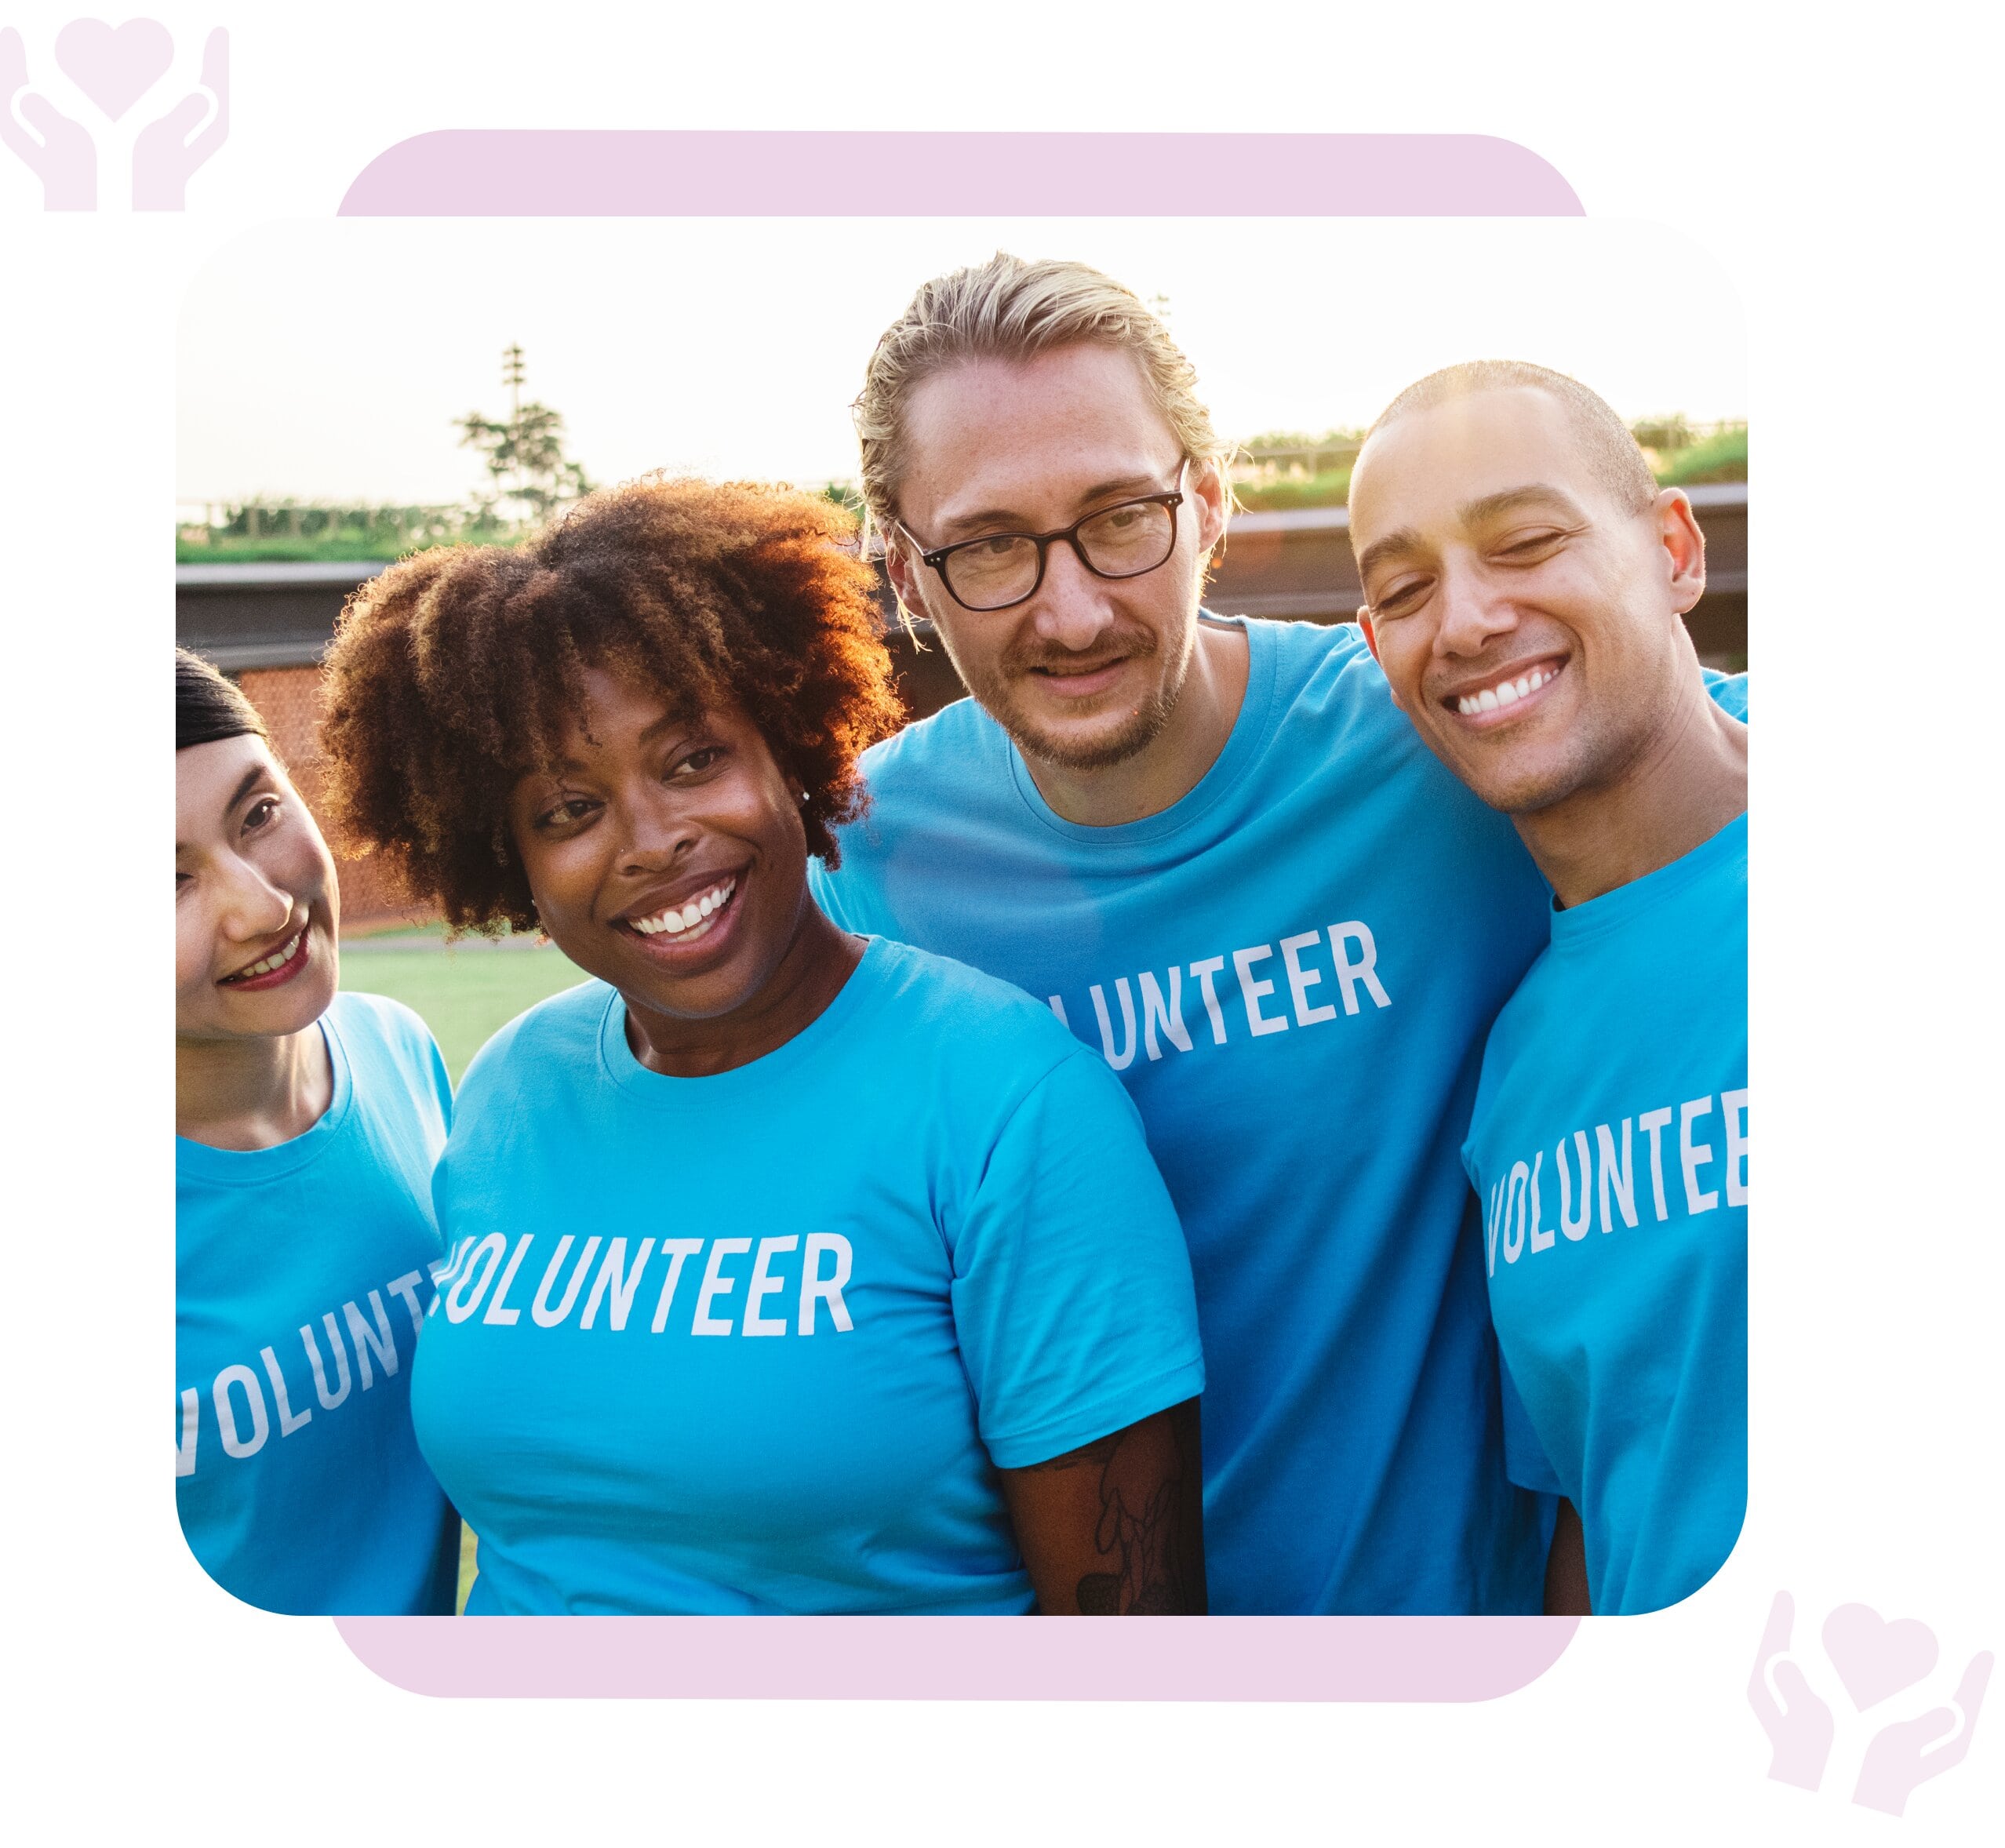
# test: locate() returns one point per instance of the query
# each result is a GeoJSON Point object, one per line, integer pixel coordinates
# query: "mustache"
{"type": "Point", "coordinates": [1111, 645]}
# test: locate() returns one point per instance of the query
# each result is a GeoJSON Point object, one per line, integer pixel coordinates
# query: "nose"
{"type": "Point", "coordinates": [1072, 607]}
{"type": "Point", "coordinates": [1474, 610]}
{"type": "Point", "coordinates": [659, 831]}
{"type": "Point", "coordinates": [253, 906]}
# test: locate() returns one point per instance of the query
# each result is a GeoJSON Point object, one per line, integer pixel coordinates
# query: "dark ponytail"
{"type": "Point", "coordinates": [207, 706]}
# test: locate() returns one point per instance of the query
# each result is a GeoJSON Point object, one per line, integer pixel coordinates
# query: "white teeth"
{"type": "Point", "coordinates": [277, 960]}
{"type": "Point", "coordinates": [1506, 692]}
{"type": "Point", "coordinates": [675, 922]}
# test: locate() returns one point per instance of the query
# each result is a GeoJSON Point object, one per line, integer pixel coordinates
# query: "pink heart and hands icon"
{"type": "Point", "coordinates": [114, 67]}
{"type": "Point", "coordinates": [1875, 1658]}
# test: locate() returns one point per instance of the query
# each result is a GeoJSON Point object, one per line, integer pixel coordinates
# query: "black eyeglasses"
{"type": "Point", "coordinates": [1003, 569]}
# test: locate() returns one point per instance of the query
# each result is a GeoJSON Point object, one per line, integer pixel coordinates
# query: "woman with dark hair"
{"type": "Point", "coordinates": [789, 1271]}
{"type": "Point", "coordinates": [307, 1124]}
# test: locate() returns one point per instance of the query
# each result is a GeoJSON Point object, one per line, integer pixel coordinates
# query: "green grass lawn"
{"type": "Point", "coordinates": [463, 992]}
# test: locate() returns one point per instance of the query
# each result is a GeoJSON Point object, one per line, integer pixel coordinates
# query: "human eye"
{"type": "Point", "coordinates": [261, 814]}
{"type": "Point", "coordinates": [565, 812]}
{"type": "Point", "coordinates": [1402, 597]}
{"type": "Point", "coordinates": [1531, 546]}
{"type": "Point", "coordinates": [694, 763]}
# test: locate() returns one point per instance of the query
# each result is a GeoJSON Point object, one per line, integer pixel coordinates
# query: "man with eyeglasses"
{"type": "Point", "coordinates": [1217, 851]}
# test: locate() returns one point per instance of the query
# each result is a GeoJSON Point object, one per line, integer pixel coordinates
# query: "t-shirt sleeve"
{"type": "Point", "coordinates": [441, 1084]}
{"type": "Point", "coordinates": [424, 1064]}
{"type": "Point", "coordinates": [1525, 1461]}
{"type": "Point", "coordinates": [1072, 1295]}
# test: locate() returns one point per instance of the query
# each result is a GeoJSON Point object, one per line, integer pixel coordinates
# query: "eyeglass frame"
{"type": "Point", "coordinates": [1172, 498]}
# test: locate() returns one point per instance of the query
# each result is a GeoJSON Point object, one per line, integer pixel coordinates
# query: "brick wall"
{"type": "Point", "coordinates": [289, 701]}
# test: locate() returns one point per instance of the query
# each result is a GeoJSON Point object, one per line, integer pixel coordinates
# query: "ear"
{"type": "Point", "coordinates": [1684, 547]}
{"type": "Point", "coordinates": [1213, 502]}
{"type": "Point", "coordinates": [903, 570]}
{"type": "Point", "coordinates": [1370, 629]}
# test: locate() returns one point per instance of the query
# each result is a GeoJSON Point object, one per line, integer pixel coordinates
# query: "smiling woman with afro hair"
{"type": "Point", "coordinates": [458, 669]}
{"type": "Point", "coordinates": [632, 733]}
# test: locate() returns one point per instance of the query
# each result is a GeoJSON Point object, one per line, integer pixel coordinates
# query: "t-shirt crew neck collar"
{"type": "Point", "coordinates": [1244, 744]}
{"type": "Point", "coordinates": [865, 986]}
{"type": "Point", "coordinates": [1585, 923]}
{"type": "Point", "coordinates": [250, 1167]}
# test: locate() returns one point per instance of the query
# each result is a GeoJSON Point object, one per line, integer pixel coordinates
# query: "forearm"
{"type": "Point", "coordinates": [1116, 1528]}
{"type": "Point", "coordinates": [1566, 1567]}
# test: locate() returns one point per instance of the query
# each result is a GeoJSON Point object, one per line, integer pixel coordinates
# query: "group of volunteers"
{"type": "Point", "coordinates": [1339, 1031]}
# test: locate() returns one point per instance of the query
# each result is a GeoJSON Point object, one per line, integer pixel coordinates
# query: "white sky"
{"type": "Point", "coordinates": [326, 358]}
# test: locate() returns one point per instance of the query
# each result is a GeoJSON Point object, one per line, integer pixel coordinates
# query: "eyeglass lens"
{"type": "Point", "coordinates": [1123, 542]}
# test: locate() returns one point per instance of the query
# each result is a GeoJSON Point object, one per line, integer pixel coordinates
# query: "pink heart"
{"type": "Point", "coordinates": [114, 66]}
{"type": "Point", "coordinates": [1875, 1658]}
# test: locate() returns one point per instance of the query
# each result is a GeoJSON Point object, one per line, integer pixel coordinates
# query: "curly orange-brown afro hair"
{"type": "Point", "coordinates": [457, 671]}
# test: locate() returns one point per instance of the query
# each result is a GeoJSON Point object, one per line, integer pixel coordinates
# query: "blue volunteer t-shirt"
{"type": "Point", "coordinates": [1609, 1147]}
{"type": "Point", "coordinates": [760, 1341]}
{"type": "Point", "coordinates": [302, 1273]}
{"type": "Point", "coordinates": [1292, 970]}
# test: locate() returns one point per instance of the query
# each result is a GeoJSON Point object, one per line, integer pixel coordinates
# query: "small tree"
{"type": "Point", "coordinates": [524, 456]}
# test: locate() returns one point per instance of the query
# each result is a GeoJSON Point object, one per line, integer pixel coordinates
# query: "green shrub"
{"type": "Point", "coordinates": [1722, 456]}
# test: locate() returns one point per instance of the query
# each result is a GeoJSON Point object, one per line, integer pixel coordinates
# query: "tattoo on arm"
{"type": "Point", "coordinates": [1150, 1531]}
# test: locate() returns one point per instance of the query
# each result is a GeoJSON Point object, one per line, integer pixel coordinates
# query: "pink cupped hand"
{"type": "Point", "coordinates": [58, 151]}
{"type": "Point", "coordinates": [1799, 1725]}
{"type": "Point", "coordinates": [1906, 1753]}
{"type": "Point", "coordinates": [163, 155]}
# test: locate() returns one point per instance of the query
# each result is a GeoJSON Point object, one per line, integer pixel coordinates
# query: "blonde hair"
{"type": "Point", "coordinates": [1007, 308]}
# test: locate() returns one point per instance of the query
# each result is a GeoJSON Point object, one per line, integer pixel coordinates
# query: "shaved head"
{"type": "Point", "coordinates": [1606, 445]}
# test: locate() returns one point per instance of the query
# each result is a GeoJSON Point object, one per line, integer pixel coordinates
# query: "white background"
{"type": "Point", "coordinates": [1831, 162]}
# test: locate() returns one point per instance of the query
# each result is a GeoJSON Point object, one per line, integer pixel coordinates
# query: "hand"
{"type": "Point", "coordinates": [58, 151]}
{"type": "Point", "coordinates": [1799, 1725]}
{"type": "Point", "coordinates": [1898, 1758]}
{"type": "Point", "coordinates": [163, 157]}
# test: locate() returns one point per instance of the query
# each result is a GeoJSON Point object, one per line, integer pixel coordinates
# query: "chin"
{"type": "Point", "coordinates": [1094, 745]}
{"type": "Point", "coordinates": [1521, 789]}
{"type": "Point", "coordinates": [291, 1012]}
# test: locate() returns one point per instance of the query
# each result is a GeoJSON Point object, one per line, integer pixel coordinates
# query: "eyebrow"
{"type": "Point", "coordinates": [1471, 513]}
{"type": "Point", "coordinates": [254, 776]}
{"type": "Point", "coordinates": [1016, 522]}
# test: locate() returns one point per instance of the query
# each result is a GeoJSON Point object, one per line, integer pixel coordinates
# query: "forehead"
{"type": "Point", "coordinates": [1416, 473]}
{"type": "Point", "coordinates": [1029, 436]}
{"type": "Point", "coordinates": [620, 708]}
{"type": "Point", "coordinates": [207, 776]}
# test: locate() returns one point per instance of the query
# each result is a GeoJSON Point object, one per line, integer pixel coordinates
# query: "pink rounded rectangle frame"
{"type": "Point", "coordinates": [462, 173]}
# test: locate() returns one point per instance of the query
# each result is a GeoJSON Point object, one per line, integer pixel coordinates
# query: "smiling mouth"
{"type": "Point", "coordinates": [1071, 677]}
{"type": "Point", "coordinates": [685, 923]}
{"type": "Point", "coordinates": [1504, 692]}
{"type": "Point", "coordinates": [283, 963]}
